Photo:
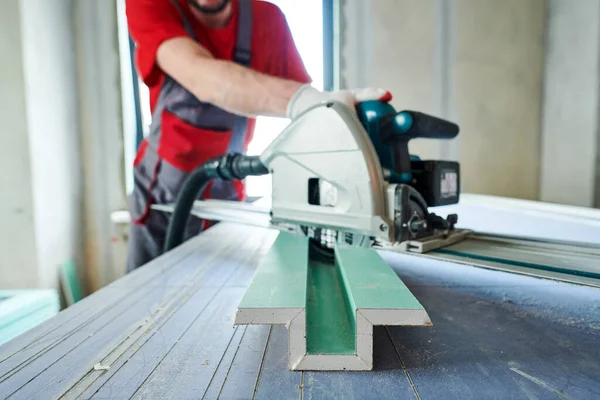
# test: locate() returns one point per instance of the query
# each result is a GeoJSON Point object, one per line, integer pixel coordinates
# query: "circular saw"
{"type": "Point", "coordinates": [346, 177]}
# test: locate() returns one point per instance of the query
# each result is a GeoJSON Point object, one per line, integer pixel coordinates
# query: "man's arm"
{"type": "Point", "coordinates": [223, 83]}
{"type": "Point", "coordinates": [163, 44]}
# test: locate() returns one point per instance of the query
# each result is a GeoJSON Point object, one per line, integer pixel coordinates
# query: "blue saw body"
{"type": "Point", "coordinates": [390, 131]}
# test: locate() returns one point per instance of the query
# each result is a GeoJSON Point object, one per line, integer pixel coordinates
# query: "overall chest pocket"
{"type": "Point", "coordinates": [187, 145]}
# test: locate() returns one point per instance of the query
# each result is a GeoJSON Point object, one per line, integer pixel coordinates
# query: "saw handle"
{"type": "Point", "coordinates": [396, 130]}
{"type": "Point", "coordinates": [413, 124]}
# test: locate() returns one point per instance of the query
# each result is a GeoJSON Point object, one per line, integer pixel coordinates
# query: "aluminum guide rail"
{"type": "Point", "coordinates": [575, 262]}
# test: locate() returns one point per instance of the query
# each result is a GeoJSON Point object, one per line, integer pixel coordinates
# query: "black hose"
{"type": "Point", "coordinates": [227, 167]}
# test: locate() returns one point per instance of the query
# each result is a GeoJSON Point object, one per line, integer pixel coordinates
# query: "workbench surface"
{"type": "Point", "coordinates": [165, 331]}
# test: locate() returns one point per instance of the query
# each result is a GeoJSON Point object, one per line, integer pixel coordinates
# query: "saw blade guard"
{"type": "Point", "coordinates": [337, 169]}
{"type": "Point", "coordinates": [326, 173]}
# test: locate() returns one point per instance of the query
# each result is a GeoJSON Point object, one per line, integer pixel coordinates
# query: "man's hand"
{"type": "Point", "coordinates": [307, 96]}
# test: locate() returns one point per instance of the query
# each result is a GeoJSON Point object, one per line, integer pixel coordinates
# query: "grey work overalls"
{"type": "Point", "coordinates": [158, 182]}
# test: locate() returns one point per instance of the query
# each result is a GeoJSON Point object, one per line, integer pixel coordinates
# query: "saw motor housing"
{"type": "Point", "coordinates": [420, 184]}
{"type": "Point", "coordinates": [350, 173]}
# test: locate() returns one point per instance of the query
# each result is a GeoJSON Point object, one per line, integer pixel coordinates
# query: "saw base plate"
{"type": "Point", "coordinates": [430, 243]}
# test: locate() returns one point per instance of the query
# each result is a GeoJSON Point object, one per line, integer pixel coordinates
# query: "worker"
{"type": "Point", "coordinates": [211, 67]}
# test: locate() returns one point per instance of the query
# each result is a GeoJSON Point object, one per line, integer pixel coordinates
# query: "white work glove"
{"type": "Point", "coordinates": [307, 96]}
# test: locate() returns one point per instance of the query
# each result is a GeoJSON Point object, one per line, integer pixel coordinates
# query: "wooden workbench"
{"type": "Point", "coordinates": [165, 331]}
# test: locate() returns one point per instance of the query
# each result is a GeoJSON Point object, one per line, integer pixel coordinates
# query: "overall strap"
{"type": "Point", "coordinates": [242, 55]}
{"type": "Point", "coordinates": [243, 47]}
{"type": "Point", "coordinates": [169, 85]}
{"type": "Point", "coordinates": [187, 25]}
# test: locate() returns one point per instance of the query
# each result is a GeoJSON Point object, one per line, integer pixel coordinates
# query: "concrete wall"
{"type": "Point", "coordinates": [497, 65]}
{"type": "Point", "coordinates": [476, 62]}
{"type": "Point", "coordinates": [392, 44]}
{"type": "Point", "coordinates": [570, 169]}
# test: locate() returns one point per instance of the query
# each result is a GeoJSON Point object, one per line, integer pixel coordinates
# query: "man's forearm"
{"type": "Point", "coordinates": [225, 84]}
{"type": "Point", "coordinates": [242, 90]}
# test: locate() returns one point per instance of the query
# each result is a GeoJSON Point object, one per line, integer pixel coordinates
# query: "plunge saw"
{"type": "Point", "coordinates": [341, 178]}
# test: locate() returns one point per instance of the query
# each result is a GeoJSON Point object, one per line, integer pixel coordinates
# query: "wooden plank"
{"type": "Point", "coordinates": [189, 366]}
{"type": "Point", "coordinates": [67, 319]}
{"type": "Point", "coordinates": [42, 353]}
{"type": "Point", "coordinates": [104, 333]}
{"type": "Point", "coordinates": [495, 335]}
{"type": "Point", "coordinates": [59, 362]}
{"type": "Point", "coordinates": [387, 381]}
{"type": "Point", "coordinates": [172, 266]}
{"type": "Point", "coordinates": [255, 252]}
{"type": "Point", "coordinates": [138, 361]}
{"type": "Point", "coordinates": [93, 306]}
{"type": "Point", "coordinates": [204, 342]}
{"type": "Point", "coordinates": [154, 355]}
{"type": "Point", "coordinates": [218, 379]}
{"type": "Point", "coordinates": [515, 336]}
{"type": "Point", "coordinates": [70, 360]}
{"type": "Point", "coordinates": [135, 363]}
{"type": "Point", "coordinates": [66, 336]}
{"type": "Point", "coordinates": [245, 368]}
{"type": "Point", "coordinates": [276, 380]}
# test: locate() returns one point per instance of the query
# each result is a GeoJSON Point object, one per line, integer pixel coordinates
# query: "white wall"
{"type": "Point", "coordinates": [39, 208]}
{"type": "Point", "coordinates": [392, 44]}
{"type": "Point", "coordinates": [570, 125]}
{"type": "Point", "coordinates": [50, 88]}
{"type": "Point", "coordinates": [476, 62]}
{"type": "Point", "coordinates": [62, 152]}
{"type": "Point", "coordinates": [18, 255]}
{"type": "Point", "coordinates": [497, 79]}
{"type": "Point", "coordinates": [101, 131]}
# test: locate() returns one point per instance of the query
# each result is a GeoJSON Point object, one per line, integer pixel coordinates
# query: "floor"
{"type": "Point", "coordinates": [165, 331]}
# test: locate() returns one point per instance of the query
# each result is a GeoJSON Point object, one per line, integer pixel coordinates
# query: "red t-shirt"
{"type": "Point", "coordinates": [151, 22]}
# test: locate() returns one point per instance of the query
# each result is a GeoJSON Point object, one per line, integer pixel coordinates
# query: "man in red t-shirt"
{"type": "Point", "coordinates": [211, 67]}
